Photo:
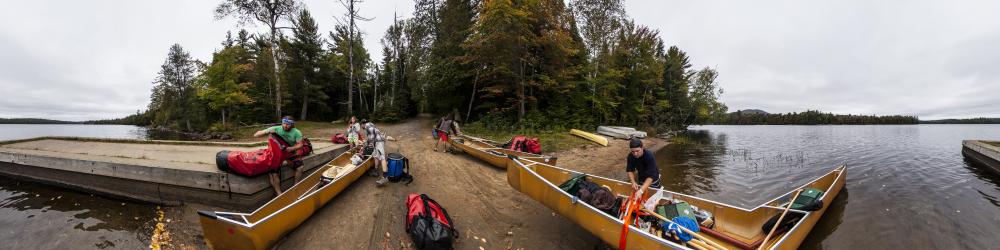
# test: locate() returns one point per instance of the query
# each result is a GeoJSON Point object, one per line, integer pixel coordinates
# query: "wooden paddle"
{"type": "Point", "coordinates": [775, 227]}
{"type": "Point", "coordinates": [696, 235]}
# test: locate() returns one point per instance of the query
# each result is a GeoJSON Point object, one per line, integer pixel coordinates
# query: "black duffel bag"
{"type": "Point", "coordinates": [428, 223]}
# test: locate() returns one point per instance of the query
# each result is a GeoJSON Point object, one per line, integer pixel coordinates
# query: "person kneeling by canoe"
{"type": "Point", "coordinates": [641, 166]}
{"type": "Point", "coordinates": [292, 136]}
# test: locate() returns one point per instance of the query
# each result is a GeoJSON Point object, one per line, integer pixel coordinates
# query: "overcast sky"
{"type": "Point", "coordinates": [81, 60]}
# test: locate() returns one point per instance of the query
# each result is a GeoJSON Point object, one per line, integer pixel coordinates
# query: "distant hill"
{"type": "Point", "coordinates": [32, 121]}
{"type": "Point", "coordinates": [753, 112]}
{"type": "Point", "coordinates": [809, 117]}
{"type": "Point", "coordinates": [964, 121]}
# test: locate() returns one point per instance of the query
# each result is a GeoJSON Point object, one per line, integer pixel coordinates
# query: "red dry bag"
{"type": "Point", "coordinates": [253, 163]}
{"type": "Point", "coordinates": [428, 223]}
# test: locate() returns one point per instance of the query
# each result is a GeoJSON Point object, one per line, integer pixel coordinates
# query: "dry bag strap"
{"type": "Point", "coordinates": [451, 223]}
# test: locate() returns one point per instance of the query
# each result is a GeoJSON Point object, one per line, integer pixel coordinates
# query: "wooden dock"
{"type": "Point", "coordinates": [162, 172]}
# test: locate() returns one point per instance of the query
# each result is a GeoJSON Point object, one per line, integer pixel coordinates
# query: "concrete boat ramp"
{"type": "Point", "coordinates": [162, 172]}
{"type": "Point", "coordinates": [985, 153]}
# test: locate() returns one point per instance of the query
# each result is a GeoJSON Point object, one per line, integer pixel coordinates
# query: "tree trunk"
{"type": "Point", "coordinates": [223, 117]}
{"type": "Point", "coordinates": [305, 104]}
{"type": "Point", "coordinates": [350, 56]}
{"type": "Point", "coordinates": [475, 82]}
{"type": "Point", "coordinates": [520, 94]}
{"type": "Point", "coordinates": [277, 76]}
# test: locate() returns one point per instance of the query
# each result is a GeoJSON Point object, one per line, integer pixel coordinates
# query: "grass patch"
{"type": "Point", "coordinates": [308, 129]}
{"type": "Point", "coordinates": [994, 143]}
{"type": "Point", "coordinates": [552, 140]}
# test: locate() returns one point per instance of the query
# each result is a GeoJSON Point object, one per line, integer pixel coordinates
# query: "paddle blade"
{"type": "Point", "coordinates": [629, 209]}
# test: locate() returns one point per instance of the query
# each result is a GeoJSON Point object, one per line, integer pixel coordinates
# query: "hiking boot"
{"type": "Point", "coordinates": [381, 181]}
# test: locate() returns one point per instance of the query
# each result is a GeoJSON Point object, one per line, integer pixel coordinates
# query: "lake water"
{"type": "Point", "coordinates": [908, 186]}
{"type": "Point", "coordinates": [37, 216]}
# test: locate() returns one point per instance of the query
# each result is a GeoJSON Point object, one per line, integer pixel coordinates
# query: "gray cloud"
{"type": "Point", "coordinates": [928, 58]}
{"type": "Point", "coordinates": [79, 60]}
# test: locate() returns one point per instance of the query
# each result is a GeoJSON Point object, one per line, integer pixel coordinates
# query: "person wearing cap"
{"type": "Point", "coordinates": [292, 136]}
{"type": "Point", "coordinates": [375, 138]}
{"type": "Point", "coordinates": [641, 167]}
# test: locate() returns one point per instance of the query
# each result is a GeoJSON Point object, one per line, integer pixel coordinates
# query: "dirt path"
{"type": "Point", "coordinates": [487, 211]}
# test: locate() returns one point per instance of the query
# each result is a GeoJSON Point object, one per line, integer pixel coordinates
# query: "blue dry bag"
{"type": "Point", "coordinates": [398, 168]}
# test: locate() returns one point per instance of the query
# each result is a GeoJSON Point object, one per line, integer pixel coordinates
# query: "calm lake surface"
{"type": "Point", "coordinates": [908, 186]}
{"type": "Point", "coordinates": [37, 216]}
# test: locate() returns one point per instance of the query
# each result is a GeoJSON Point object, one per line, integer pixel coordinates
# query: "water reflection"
{"type": "Point", "coordinates": [37, 216]}
{"type": "Point", "coordinates": [910, 185]}
{"type": "Point", "coordinates": [827, 224]}
{"type": "Point", "coordinates": [689, 165]}
{"type": "Point", "coordinates": [986, 174]}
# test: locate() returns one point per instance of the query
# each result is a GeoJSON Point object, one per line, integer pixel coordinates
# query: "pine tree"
{"type": "Point", "coordinates": [303, 71]}
{"type": "Point", "coordinates": [269, 12]}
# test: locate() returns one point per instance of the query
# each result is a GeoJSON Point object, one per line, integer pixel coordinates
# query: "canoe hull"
{"type": "Point", "coordinates": [540, 182]}
{"type": "Point", "coordinates": [620, 132]}
{"type": "Point", "coordinates": [590, 136]}
{"type": "Point", "coordinates": [268, 224]}
{"type": "Point", "coordinates": [489, 152]}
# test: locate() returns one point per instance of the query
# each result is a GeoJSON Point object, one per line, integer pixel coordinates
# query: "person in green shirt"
{"type": "Point", "coordinates": [292, 136]}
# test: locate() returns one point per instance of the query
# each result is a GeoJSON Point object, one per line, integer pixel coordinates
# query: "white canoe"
{"type": "Point", "coordinates": [620, 132]}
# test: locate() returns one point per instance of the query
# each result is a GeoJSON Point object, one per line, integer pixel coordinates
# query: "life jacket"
{"type": "Point", "coordinates": [428, 223]}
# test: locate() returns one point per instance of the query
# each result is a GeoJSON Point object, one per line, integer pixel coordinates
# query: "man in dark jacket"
{"type": "Point", "coordinates": [641, 167]}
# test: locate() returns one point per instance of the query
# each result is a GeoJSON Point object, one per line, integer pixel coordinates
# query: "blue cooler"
{"type": "Point", "coordinates": [434, 133]}
{"type": "Point", "coordinates": [396, 166]}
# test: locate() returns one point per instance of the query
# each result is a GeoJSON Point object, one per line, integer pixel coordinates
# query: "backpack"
{"type": "Point", "coordinates": [428, 223]}
{"type": "Point", "coordinates": [532, 145]}
{"type": "Point", "coordinates": [396, 164]}
{"type": "Point", "coordinates": [516, 143]}
{"type": "Point", "coordinates": [339, 138]}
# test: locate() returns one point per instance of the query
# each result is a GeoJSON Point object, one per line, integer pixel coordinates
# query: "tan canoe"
{"type": "Point", "coordinates": [265, 226]}
{"type": "Point", "coordinates": [737, 228]}
{"type": "Point", "coordinates": [488, 151]}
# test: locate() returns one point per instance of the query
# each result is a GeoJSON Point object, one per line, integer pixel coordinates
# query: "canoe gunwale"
{"type": "Point", "coordinates": [247, 224]}
{"type": "Point", "coordinates": [495, 147]}
{"type": "Point", "coordinates": [632, 229]}
{"type": "Point", "coordinates": [839, 171]}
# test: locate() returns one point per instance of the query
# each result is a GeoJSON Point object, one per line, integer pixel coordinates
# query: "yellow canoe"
{"type": "Point", "coordinates": [737, 228]}
{"type": "Point", "coordinates": [489, 152]}
{"type": "Point", "coordinates": [590, 136]}
{"type": "Point", "coordinates": [264, 227]}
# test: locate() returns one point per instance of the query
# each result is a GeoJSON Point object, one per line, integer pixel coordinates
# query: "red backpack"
{"type": "Point", "coordinates": [516, 143]}
{"type": "Point", "coordinates": [532, 145]}
{"type": "Point", "coordinates": [339, 138]}
{"type": "Point", "coordinates": [524, 144]}
{"type": "Point", "coordinates": [428, 223]}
